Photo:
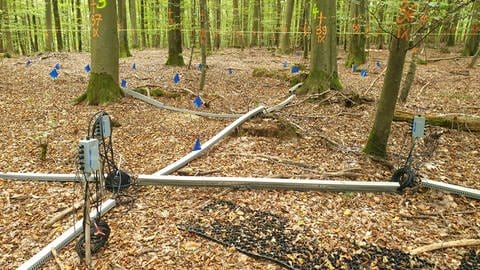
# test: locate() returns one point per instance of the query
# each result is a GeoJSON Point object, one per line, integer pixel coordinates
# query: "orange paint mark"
{"type": "Point", "coordinates": [356, 27]}
{"type": "Point", "coordinates": [321, 29]}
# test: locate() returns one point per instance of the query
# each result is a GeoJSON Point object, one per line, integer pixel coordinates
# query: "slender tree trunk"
{"type": "Point", "coordinates": [8, 41]}
{"type": "Point", "coordinates": [451, 28]}
{"type": "Point", "coordinates": [103, 84]}
{"type": "Point", "coordinates": [218, 24]}
{"type": "Point", "coordinates": [381, 19]}
{"type": "Point", "coordinates": [306, 25]}
{"type": "Point", "coordinates": [133, 22]}
{"type": "Point", "coordinates": [123, 38]}
{"type": "Point", "coordinates": [78, 11]}
{"type": "Point", "coordinates": [356, 45]}
{"type": "Point", "coordinates": [58, 26]}
{"type": "Point", "coordinates": [245, 13]}
{"type": "Point", "coordinates": [143, 23]}
{"type": "Point", "coordinates": [278, 27]}
{"type": "Point", "coordinates": [256, 23]}
{"type": "Point", "coordinates": [156, 35]}
{"type": "Point", "coordinates": [203, 42]}
{"type": "Point", "coordinates": [407, 84]}
{"type": "Point", "coordinates": [2, 31]}
{"type": "Point", "coordinates": [237, 35]}
{"type": "Point", "coordinates": [323, 62]}
{"type": "Point", "coordinates": [49, 25]}
{"type": "Point", "coordinates": [193, 34]}
{"type": "Point", "coordinates": [285, 47]}
{"type": "Point", "coordinates": [175, 57]}
{"type": "Point", "coordinates": [471, 44]}
{"type": "Point", "coordinates": [378, 138]}
{"type": "Point", "coordinates": [474, 58]}
{"type": "Point", "coordinates": [35, 30]}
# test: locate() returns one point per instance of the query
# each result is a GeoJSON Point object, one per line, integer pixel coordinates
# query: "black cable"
{"type": "Point", "coordinates": [405, 175]}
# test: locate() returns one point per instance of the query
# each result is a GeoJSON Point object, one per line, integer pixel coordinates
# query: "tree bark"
{"type": "Point", "coordinates": [356, 45]}
{"type": "Point", "coordinates": [133, 22]}
{"type": "Point", "coordinates": [306, 20]}
{"type": "Point", "coordinates": [175, 57]}
{"type": "Point", "coordinates": [79, 24]}
{"type": "Point", "coordinates": [203, 41]}
{"type": "Point", "coordinates": [143, 23]}
{"type": "Point", "coordinates": [407, 84]}
{"type": "Point", "coordinates": [285, 34]}
{"type": "Point", "coordinates": [471, 44]}
{"type": "Point", "coordinates": [103, 84]}
{"type": "Point", "coordinates": [323, 62]}
{"type": "Point", "coordinates": [278, 27]}
{"type": "Point", "coordinates": [218, 24]}
{"type": "Point", "coordinates": [58, 26]}
{"type": "Point", "coordinates": [8, 41]}
{"type": "Point", "coordinates": [49, 26]}
{"type": "Point", "coordinates": [124, 51]}
{"type": "Point", "coordinates": [255, 23]}
{"type": "Point", "coordinates": [453, 121]}
{"type": "Point", "coordinates": [237, 34]}
{"type": "Point", "coordinates": [378, 138]}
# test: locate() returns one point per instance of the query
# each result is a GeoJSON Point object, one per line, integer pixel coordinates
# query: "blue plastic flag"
{"type": "Point", "coordinates": [295, 69]}
{"type": "Point", "coordinates": [198, 145]}
{"type": "Point", "coordinates": [200, 66]}
{"type": "Point", "coordinates": [354, 68]}
{"type": "Point", "coordinates": [54, 74]}
{"type": "Point", "coordinates": [285, 64]}
{"type": "Point", "coordinates": [28, 62]}
{"type": "Point", "coordinates": [87, 68]}
{"type": "Point", "coordinates": [198, 102]}
{"type": "Point", "coordinates": [57, 66]}
{"type": "Point", "coordinates": [378, 64]}
{"type": "Point", "coordinates": [124, 83]}
{"type": "Point", "coordinates": [230, 71]}
{"type": "Point", "coordinates": [363, 73]}
{"type": "Point", "coordinates": [134, 66]}
{"type": "Point", "coordinates": [176, 78]}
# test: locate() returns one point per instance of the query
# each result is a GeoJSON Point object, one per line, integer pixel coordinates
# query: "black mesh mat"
{"type": "Point", "coordinates": [265, 235]}
{"type": "Point", "coordinates": [471, 260]}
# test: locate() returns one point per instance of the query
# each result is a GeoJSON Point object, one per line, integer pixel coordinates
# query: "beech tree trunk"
{"type": "Point", "coordinates": [356, 45]}
{"type": "Point", "coordinates": [133, 22]}
{"type": "Point", "coordinates": [78, 15]}
{"type": "Point", "coordinates": [124, 51]}
{"type": "Point", "coordinates": [58, 26]}
{"type": "Point", "coordinates": [256, 23]}
{"type": "Point", "coordinates": [285, 34]}
{"type": "Point", "coordinates": [49, 25]}
{"type": "Point", "coordinates": [175, 57]}
{"type": "Point", "coordinates": [218, 20]}
{"type": "Point", "coordinates": [203, 41]}
{"type": "Point", "coordinates": [323, 62]}
{"type": "Point", "coordinates": [237, 34]}
{"type": "Point", "coordinates": [103, 84]}
{"type": "Point", "coordinates": [471, 44]}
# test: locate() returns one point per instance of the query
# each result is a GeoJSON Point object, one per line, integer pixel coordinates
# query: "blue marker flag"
{"type": "Point", "coordinates": [230, 71]}
{"type": "Point", "coordinates": [134, 66]}
{"type": "Point", "coordinates": [124, 83]}
{"type": "Point", "coordinates": [378, 64]}
{"type": "Point", "coordinates": [200, 66]}
{"type": "Point", "coordinates": [57, 66]}
{"type": "Point", "coordinates": [295, 69]}
{"type": "Point", "coordinates": [54, 74]}
{"type": "Point", "coordinates": [176, 78]}
{"type": "Point", "coordinates": [198, 145]}
{"type": "Point", "coordinates": [363, 73]}
{"type": "Point", "coordinates": [28, 62]}
{"type": "Point", "coordinates": [198, 102]}
{"type": "Point", "coordinates": [285, 64]}
{"type": "Point", "coordinates": [87, 68]}
{"type": "Point", "coordinates": [354, 68]}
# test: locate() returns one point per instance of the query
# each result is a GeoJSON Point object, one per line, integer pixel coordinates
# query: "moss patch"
{"type": "Point", "coordinates": [101, 89]}
{"type": "Point", "coordinates": [157, 92]}
{"type": "Point", "coordinates": [268, 127]}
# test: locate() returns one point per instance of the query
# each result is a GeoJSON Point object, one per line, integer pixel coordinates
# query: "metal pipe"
{"type": "Point", "coordinates": [194, 154]}
{"type": "Point", "coordinates": [468, 192]}
{"type": "Point", "coordinates": [48, 177]}
{"type": "Point", "coordinates": [267, 183]}
{"type": "Point", "coordinates": [43, 255]}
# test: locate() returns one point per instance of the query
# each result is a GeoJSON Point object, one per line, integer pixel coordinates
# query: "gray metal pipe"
{"type": "Point", "coordinates": [48, 177]}
{"type": "Point", "coordinates": [468, 192]}
{"type": "Point", "coordinates": [194, 154]}
{"type": "Point", "coordinates": [43, 255]}
{"type": "Point", "coordinates": [267, 183]}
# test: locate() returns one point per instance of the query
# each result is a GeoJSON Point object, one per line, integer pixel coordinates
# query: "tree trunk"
{"type": "Point", "coordinates": [58, 26]}
{"type": "Point", "coordinates": [452, 27]}
{"type": "Point", "coordinates": [35, 31]}
{"type": "Point", "coordinates": [323, 62]}
{"type": "Point", "coordinates": [306, 19]}
{"type": "Point", "coordinates": [78, 10]}
{"type": "Point", "coordinates": [133, 22]}
{"type": "Point", "coordinates": [8, 41]}
{"type": "Point", "coordinates": [285, 34]}
{"type": "Point", "coordinates": [203, 41]}
{"type": "Point", "coordinates": [245, 13]}
{"type": "Point", "coordinates": [124, 51]}
{"type": "Point", "coordinates": [103, 84]}
{"type": "Point", "coordinates": [278, 27]}
{"type": "Point", "coordinates": [218, 24]}
{"type": "Point", "coordinates": [407, 84]}
{"type": "Point", "coordinates": [356, 45]}
{"type": "Point", "coordinates": [49, 26]}
{"type": "Point", "coordinates": [175, 57]}
{"type": "Point", "coordinates": [143, 23]}
{"type": "Point", "coordinates": [471, 44]}
{"type": "Point", "coordinates": [381, 19]}
{"type": "Point", "coordinates": [237, 35]}
{"type": "Point", "coordinates": [156, 20]}
{"type": "Point", "coordinates": [255, 23]}
{"type": "Point", "coordinates": [377, 140]}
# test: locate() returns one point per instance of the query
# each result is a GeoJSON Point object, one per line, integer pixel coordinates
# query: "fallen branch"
{"type": "Point", "coordinates": [449, 244]}
{"type": "Point", "coordinates": [57, 260]}
{"type": "Point", "coordinates": [62, 214]}
{"type": "Point", "coordinates": [452, 121]}
{"type": "Point", "coordinates": [374, 81]}
{"type": "Point", "coordinates": [441, 59]}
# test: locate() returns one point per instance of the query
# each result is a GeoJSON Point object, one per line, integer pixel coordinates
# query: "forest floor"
{"type": "Point", "coordinates": [301, 229]}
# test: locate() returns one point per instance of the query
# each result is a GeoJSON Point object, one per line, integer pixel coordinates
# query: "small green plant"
{"type": "Point", "coordinates": [43, 139]}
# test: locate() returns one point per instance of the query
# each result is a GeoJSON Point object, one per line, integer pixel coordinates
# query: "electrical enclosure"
{"type": "Point", "coordinates": [89, 156]}
{"type": "Point", "coordinates": [418, 128]}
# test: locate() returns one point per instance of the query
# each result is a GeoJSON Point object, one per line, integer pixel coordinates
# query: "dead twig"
{"type": "Point", "coordinates": [62, 214]}
{"type": "Point", "coordinates": [442, 245]}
